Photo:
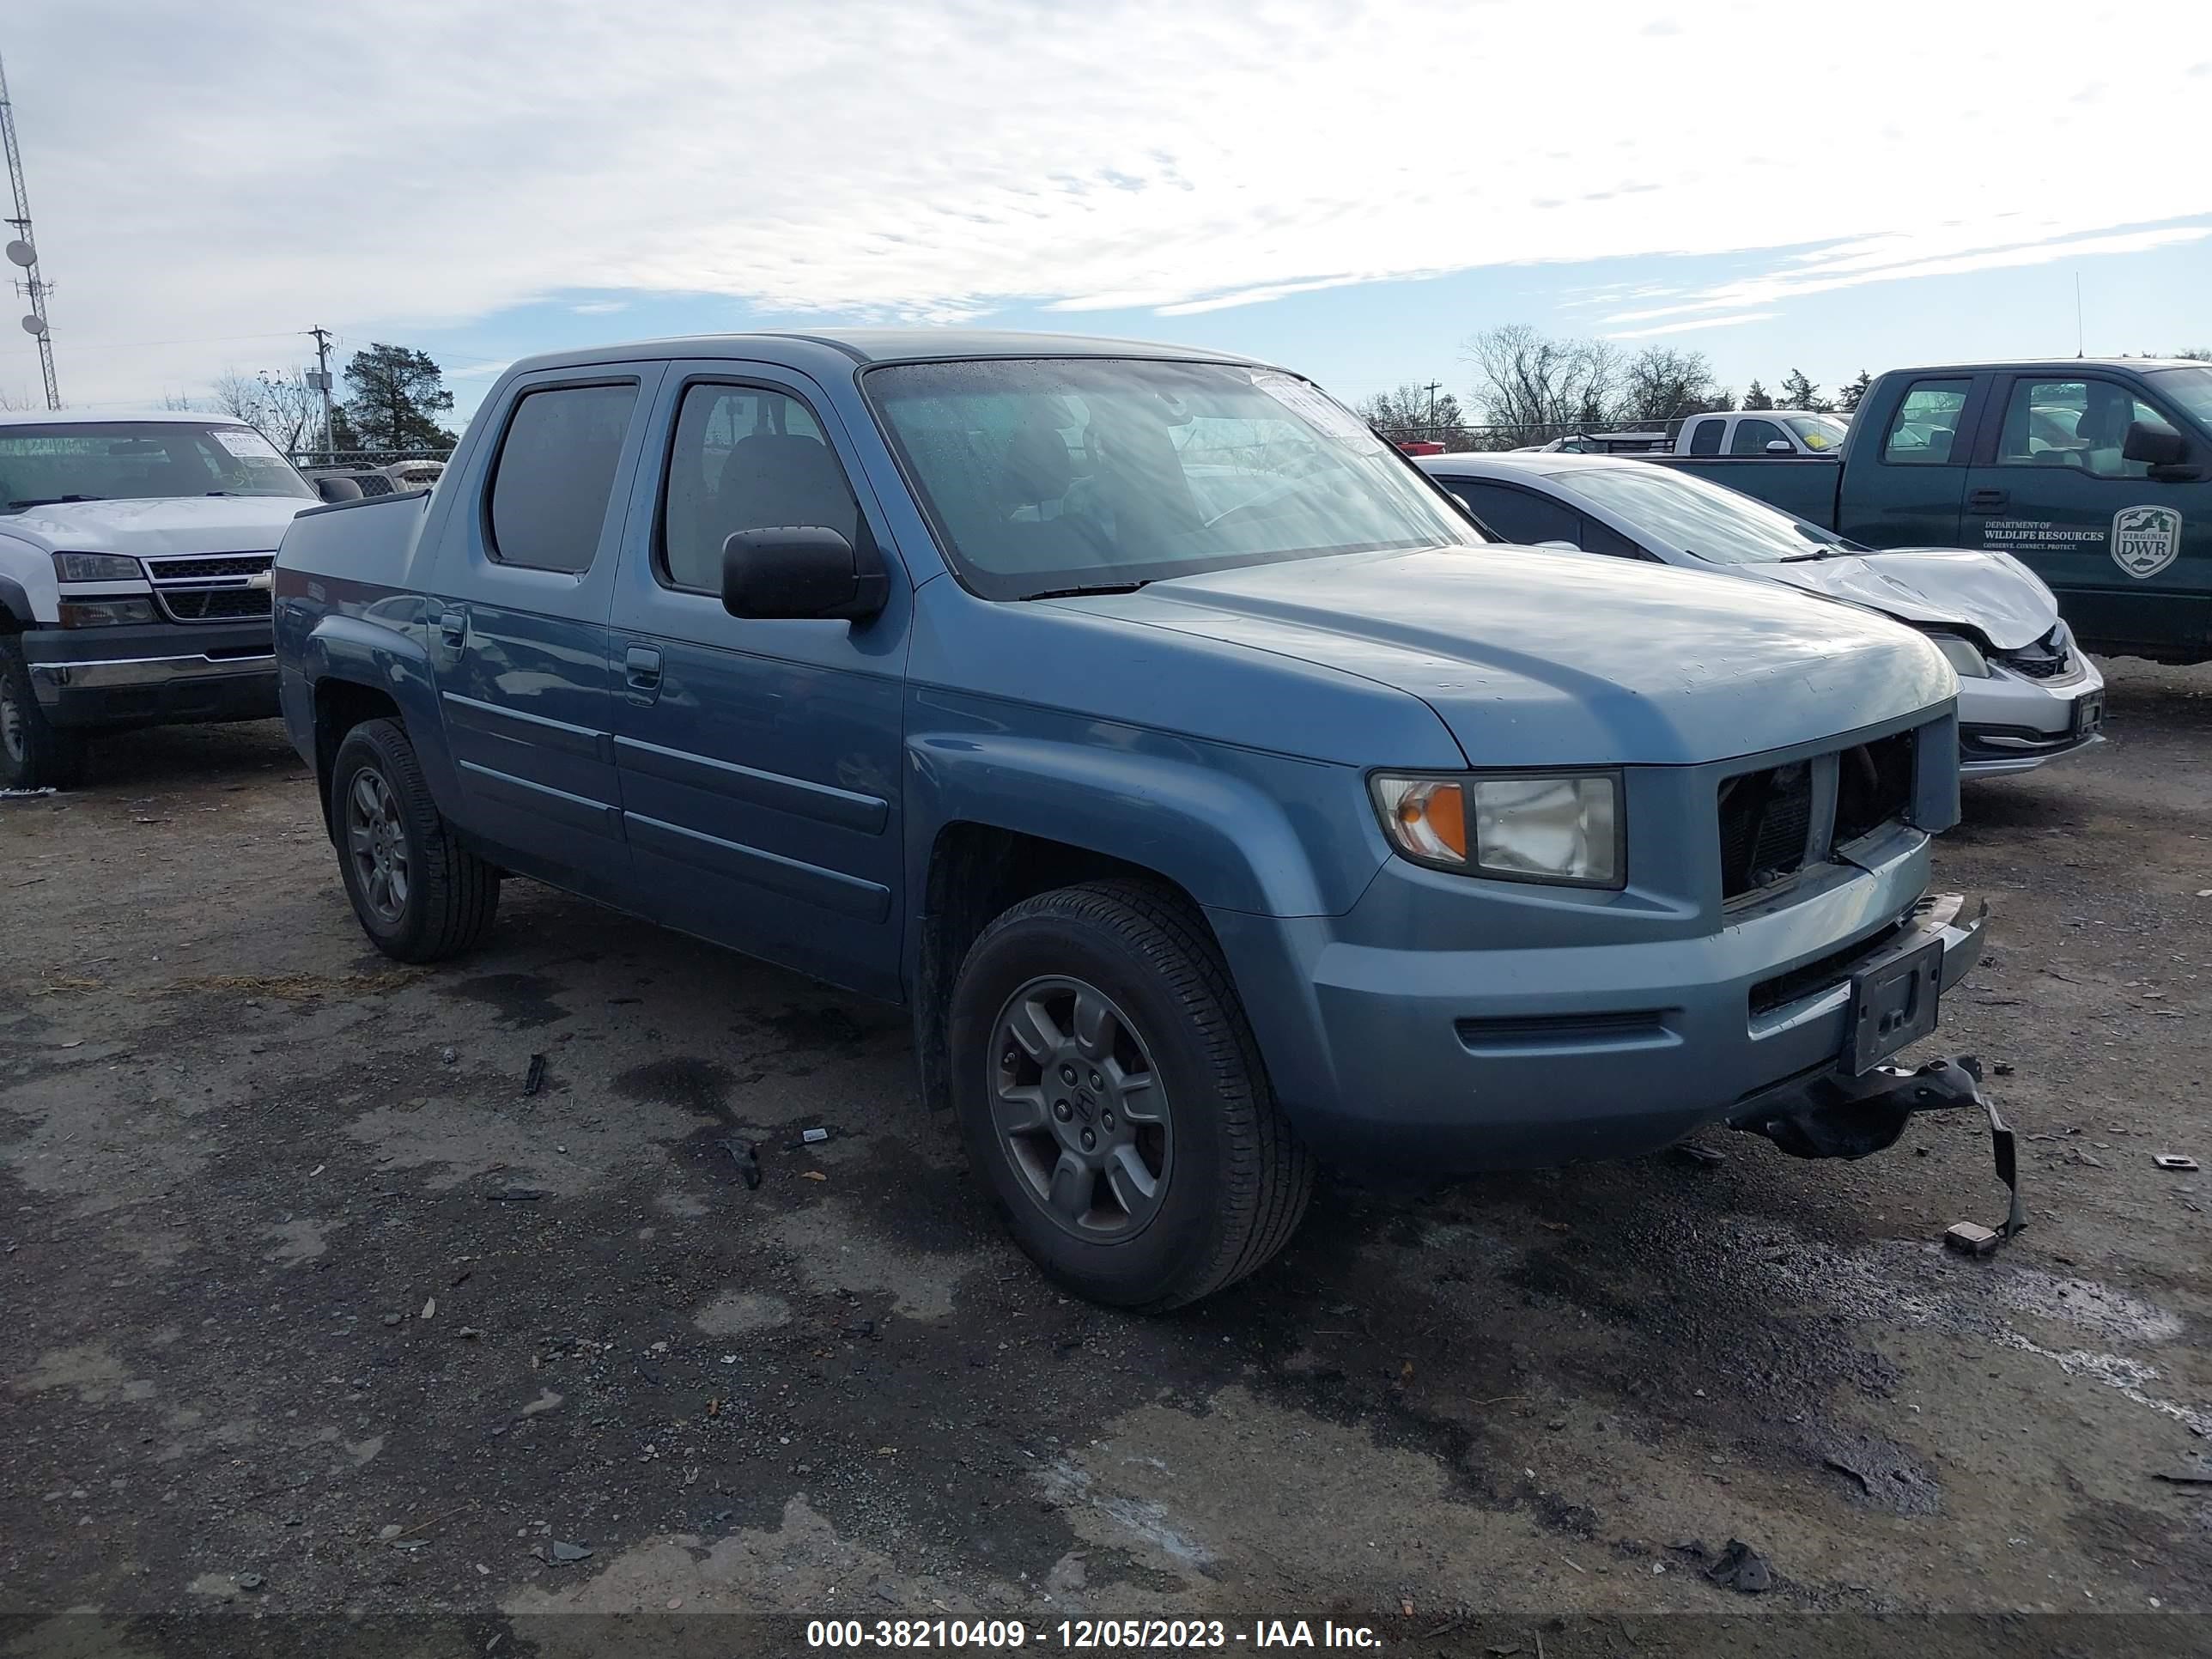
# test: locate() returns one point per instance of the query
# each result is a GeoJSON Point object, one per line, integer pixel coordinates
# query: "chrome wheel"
{"type": "Point", "coordinates": [376, 841]}
{"type": "Point", "coordinates": [1080, 1112]}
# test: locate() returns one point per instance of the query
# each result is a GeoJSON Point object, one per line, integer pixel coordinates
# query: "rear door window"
{"type": "Point", "coordinates": [1706, 436]}
{"type": "Point", "coordinates": [1517, 515]}
{"type": "Point", "coordinates": [555, 474]}
{"type": "Point", "coordinates": [1925, 431]}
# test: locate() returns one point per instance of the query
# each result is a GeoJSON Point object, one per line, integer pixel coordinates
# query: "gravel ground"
{"type": "Point", "coordinates": [311, 1308]}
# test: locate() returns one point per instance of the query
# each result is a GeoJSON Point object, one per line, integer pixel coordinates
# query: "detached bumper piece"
{"type": "Point", "coordinates": [1841, 1116]}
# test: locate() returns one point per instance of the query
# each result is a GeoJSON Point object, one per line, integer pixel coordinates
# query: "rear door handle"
{"type": "Point", "coordinates": [642, 671]}
{"type": "Point", "coordinates": [453, 627]}
{"type": "Point", "coordinates": [1986, 501]}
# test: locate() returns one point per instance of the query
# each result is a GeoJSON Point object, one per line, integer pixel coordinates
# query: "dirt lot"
{"type": "Point", "coordinates": [310, 1308]}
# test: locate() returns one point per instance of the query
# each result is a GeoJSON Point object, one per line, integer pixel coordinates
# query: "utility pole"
{"type": "Point", "coordinates": [322, 381]}
{"type": "Point", "coordinates": [23, 252]}
{"type": "Point", "coordinates": [1432, 388]}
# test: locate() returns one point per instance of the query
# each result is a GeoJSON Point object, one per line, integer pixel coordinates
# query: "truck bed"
{"type": "Point", "coordinates": [1806, 485]}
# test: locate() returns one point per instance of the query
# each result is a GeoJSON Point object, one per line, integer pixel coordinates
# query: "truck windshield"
{"type": "Point", "coordinates": [1700, 519]}
{"type": "Point", "coordinates": [138, 460]}
{"type": "Point", "coordinates": [1061, 475]}
{"type": "Point", "coordinates": [2190, 387]}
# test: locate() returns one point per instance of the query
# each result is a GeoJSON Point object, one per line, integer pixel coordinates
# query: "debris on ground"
{"type": "Point", "coordinates": [813, 1175]}
{"type": "Point", "coordinates": [545, 1402]}
{"type": "Point", "coordinates": [813, 1137]}
{"type": "Point", "coordinates": [1697, 1154]}
{"type": "Point", "coordinates": [250, 1580]}
{"type": "Point", "coordinates": [1741, 1568]}
{"type": "Point", "coordinates": [515, 1195]}
{"type": "Point", "coordinates": [569, 1552]}
{"type": "Point", "coordinates": [1970, 1239]}
{"type": "Point", "coordinates": [534, 1079]}
{"type": "Point", "coordinates": [2176, 1161]}
{"type": "Point", "coordinates": [746, 1156]}
{"type": "Point", "coordinates": [450, 1055]}
{"type": "Point", "coordinates": [2184, 1477]}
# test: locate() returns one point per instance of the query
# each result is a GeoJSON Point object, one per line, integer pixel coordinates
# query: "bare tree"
{"type": "Point", "coordinates": [1531, 386]}
{"type": "Point", "coordinates": [281, 407]}
{"type": "Point", "coordinates": [1415, 411]}
{"type": "Point", "coordinates": [1662, 385]}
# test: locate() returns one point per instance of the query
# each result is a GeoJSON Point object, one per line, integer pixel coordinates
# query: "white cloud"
{"type": "Point", "coordinates": [599, 308]}
{"type": "Point", "coordinates": [256, 167]}
{"type": "Point", "coordinates": [1729, 321]}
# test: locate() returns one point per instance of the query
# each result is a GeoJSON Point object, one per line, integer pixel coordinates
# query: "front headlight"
{"type": "Point", "coordinates": [1554, 827]}
{"type": "Point", "coordinates": [106, 613]}
{"type": "Point", "coordinates": [1963, 655]}
{"type": "Point", "coordinates": [96, 568]}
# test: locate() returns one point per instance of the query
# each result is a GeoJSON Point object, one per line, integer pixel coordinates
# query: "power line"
{"type": "Point", "coordinates": [24, 251]}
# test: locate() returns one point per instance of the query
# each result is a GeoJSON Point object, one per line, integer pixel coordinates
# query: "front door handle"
{"type": "Point", "coordinates": [1986, 501]}
{"type": "Point", "coordinates": [453, 627]}
{"type": "Point", "coordinates": [642, 671]}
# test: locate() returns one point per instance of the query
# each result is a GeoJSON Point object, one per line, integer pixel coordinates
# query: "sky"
{"type": "Point", "coordinates": [1351, 189]}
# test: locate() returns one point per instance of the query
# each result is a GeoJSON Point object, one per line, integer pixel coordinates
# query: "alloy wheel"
{"type": "Point", "coordinates": [1079, 1109]}
{"type": "Point", "coordinates": [376, 841]}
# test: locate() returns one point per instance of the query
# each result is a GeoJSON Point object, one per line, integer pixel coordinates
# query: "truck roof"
{"type": "Point", "coordinates": [2051, 365]}
{"type": "Point", "coordinates": [881, 345]}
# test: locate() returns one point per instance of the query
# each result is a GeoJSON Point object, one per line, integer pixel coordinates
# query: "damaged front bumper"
{"type": "Point", "coordinates": [1841, 1116]}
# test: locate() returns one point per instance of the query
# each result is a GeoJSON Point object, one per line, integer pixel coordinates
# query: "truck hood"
{"type": "Point", "coordinates": [1991, 592]}
{"type": "Point", "coordinates": [186, 524]}
{"type": "Point", "coordinates": [1548, 659]}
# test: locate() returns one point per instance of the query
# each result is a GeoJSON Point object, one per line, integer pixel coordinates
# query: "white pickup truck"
{"type": "Point", "coordinates": [1761, 432]}
{"type": "Point", "coordinates": [134, 579]}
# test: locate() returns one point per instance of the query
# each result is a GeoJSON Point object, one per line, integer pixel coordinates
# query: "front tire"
{"type": "Point", "coordinates": [419, 895]}
{"type": "Point", "coordinates": [34, 754]}
{"type": "Point", "coordinates": [1110, 1092]}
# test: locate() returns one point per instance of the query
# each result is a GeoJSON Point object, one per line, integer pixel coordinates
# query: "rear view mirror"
{"type": "Point", "coordinates": [337, 489]}
{"type": "Point", "coordinates": [1779, 447]}
{"type": "Point", "coordinates": [2155, 443]}
{"type": "Point", "coordinates": [798, 571]}
{"type": "Point", "coordinates": [1564, 547]}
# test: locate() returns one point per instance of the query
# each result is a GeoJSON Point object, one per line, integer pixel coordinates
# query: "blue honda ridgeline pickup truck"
{"type": "Point", "coordinates": [1213, 795]}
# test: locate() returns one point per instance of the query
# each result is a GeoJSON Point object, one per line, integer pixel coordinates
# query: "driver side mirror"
{"type": "Point", "coordinates": [1780, 447]}
{"type": "Point", "coordinates": [2159, 447]}
{"type": "Point", "coordinates": [797, 571]}
{"type": "Point", "coordinates": [337, 489]}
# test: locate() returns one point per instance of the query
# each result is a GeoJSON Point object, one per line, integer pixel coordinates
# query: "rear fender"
{"type": "Point", "coordinates": [394, 663]}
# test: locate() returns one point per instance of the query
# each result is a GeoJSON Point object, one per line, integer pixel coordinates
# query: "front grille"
{"type": "Point", "coordinates": [215, 604]}
{"type": "Point", "coordinates": [2046, 660]}
{"type": "Point", "coordinates": [229, 564]}
{"type": "Point", "coordinates": [1874, 784]}
{"type": "Point", "coordinates": [1767, 817]}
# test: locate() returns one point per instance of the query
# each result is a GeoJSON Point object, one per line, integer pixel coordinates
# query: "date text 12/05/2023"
{"type": "Point", "coordinates": [1085, 1635]}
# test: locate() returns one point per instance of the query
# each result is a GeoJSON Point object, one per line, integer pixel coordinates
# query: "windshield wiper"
{"type": "Point", "coordinates": [1078, 592]}
{"type": "Point", "coordinates": [55, 500]}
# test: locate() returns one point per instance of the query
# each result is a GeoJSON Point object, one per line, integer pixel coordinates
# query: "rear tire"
{"type": "Point", "coordinates": [34, 754]}
{"type": "Point", "coordinates": [1082, 1002]}
{"type": "Point", "coordinates": [419, 895]}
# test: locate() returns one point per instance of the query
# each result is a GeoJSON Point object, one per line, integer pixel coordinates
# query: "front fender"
{"type": "Point", "coordinates": [1235, 829]}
